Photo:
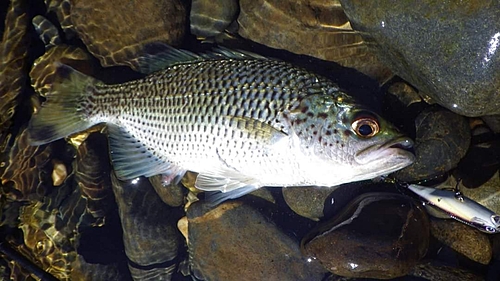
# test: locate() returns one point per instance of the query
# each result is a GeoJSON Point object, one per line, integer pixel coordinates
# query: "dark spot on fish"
{"type": "Point", "coordinates": [335, 131]}
{"type": "Point", "coordinates": [342, 145]}
{"type": "Point", "coordinates": [331, 144]}
{"type": "Point", "coordinates": [328, 132]}
{"type": "Point", "coordinates": [315, 132]}
{"type": "Point", "coordinates": [312, 126]}
{"type": "Point", "coordinates": [310, 114]}
{"type": "Point", "coordinates": [337, 142]}
{"type": "Point", "coordinates": [320, 138]}
{"type": "Point", "coordinates": [322, 115]}
{"type": "Point", "coordinates": [347, 133]}
{"type": "Point", "coordinates": [304, 109]}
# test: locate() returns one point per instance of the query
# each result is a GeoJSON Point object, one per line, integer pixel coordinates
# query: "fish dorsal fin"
{"type": "Point", "coordinates": [131, 159]}
{"type": "Point", "coordinates": [158, 56]}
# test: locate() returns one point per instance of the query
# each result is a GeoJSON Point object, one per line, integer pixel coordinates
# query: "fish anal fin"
{"type": "Point", "coordinates": [131, 159]}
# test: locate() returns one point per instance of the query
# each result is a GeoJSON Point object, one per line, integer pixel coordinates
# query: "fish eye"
{"type": "Point", "coordinates": [490, 229]}
{"type": "Point", "coordinates": [366, 126]}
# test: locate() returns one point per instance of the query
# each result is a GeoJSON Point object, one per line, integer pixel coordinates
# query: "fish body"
{"type": "Point", "coordinates": [241, 123]}
{"type": "Point", "coordinates": [460, 207]}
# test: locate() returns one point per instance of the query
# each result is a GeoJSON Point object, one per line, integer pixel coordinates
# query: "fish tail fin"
{"type": "Point", "coordinates": [65, 111]}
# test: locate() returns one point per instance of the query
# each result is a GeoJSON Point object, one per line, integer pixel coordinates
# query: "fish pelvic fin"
{"type": "Point", "coordinates": [65, 111]}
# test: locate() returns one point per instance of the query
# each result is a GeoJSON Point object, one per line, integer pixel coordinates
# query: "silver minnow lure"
{"type": "Point", "coordinates": [240, 121]}
{"type": "Point", "coordinates": [460, 208]}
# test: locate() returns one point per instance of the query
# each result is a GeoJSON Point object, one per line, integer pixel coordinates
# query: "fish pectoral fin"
{"type": "Point", "coordinates": [131, 159]}
{"type": "Point", "coordinates": [231, 185]}
{"type": "Point", "coordinates": [215, 198]}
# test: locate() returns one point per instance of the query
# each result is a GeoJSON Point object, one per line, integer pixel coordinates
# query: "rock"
{"type": "Point", "coordinates": [379, 235]}
{"type": "Point", "coordinates": [14, 54]}
{"type": "Point", "coordinates": [150, 234]}
{"type": "Point", "coordinates": [432, 272]}
{"type": "Point", "coordinates": [466, 240]}
{"type": "Point", "coordinates": [442, 139]}
{"type": "Point", "coordinates": [308, 202]}
{"type": "Point", "coordinates": [447, 50]}
{"type": "Point", "coordinates": [224, 241]}
{"type": "Point", "coordinates": [171, 194]}
{"type": "Point", "coordinates": [92, 169]}
{"type": "Point", "coordinates": [316, 28]}
{"type": "Point", "coordinates": [210, 18]}
{"type": "Point", "coordinates": [493, 122]}
{"type": "Point", "coordinates": [133, 26]}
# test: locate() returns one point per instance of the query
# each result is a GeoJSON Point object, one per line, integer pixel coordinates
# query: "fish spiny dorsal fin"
{"type": "Point", "coordinates": [158, 56]}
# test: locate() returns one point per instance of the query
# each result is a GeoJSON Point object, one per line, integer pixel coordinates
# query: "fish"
{"type": "Point", "coordinates": [460, 208]}
{"type": "Point", "coordinates": [240, 120]}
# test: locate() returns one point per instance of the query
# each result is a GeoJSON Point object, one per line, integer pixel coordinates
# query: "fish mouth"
{"type": "Point", "coordinates": [397, 150]}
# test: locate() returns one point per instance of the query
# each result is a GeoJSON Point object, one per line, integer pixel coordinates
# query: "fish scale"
{"type": "Point", "coordinates": [241, 123]}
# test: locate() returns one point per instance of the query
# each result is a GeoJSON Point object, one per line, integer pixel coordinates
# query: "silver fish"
{"type": "Point", "coordinates": [460, 208]}
{"type": "Point", "coordinates": [240, 121]}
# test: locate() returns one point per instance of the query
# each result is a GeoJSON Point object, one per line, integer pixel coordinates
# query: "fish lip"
{"type": "Point", "coordinates": [400, 147]}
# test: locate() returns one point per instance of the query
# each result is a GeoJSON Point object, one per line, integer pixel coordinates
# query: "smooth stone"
{"type": "Point", "coordinates": [14, 53]}
{"type": "Point", "coordinates": [442, 139]}
{"type": "Point", "coordinates": [150, 234]}
{"type": "Point", "coordinates": [172, 194]}
{"type": "Point", "coordinates": [133, 25]}
{"type": "Point", "coordinates": [464, 239]}
{"type": "Point", "coordinates": [493, 122]}
{"type": "Point", "coordinates": [315, 28]}
{"type": "Point", "coordinates": [379, 235]}
{"type": "Point", "coordinates": [432, 272]}
{"type": "Point", "coordinates": [446, 49]}
{"type": "Point", "coordinates": [234, 241]}
{"type": "Point", "coordinates": [308, 202]}
{"type": "Point", "coordinates": [209, 18]}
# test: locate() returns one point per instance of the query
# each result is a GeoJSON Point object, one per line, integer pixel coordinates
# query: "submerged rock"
{"type": "Point", "coordinates": [466, 240]}
{"type": "Point", "coordinates": [209, 18]}
{"type": "Point", "coordinates": [316, 28]}
{"type": "Point", "coordinates": [235, 241]}
{"type": "Point", "coordinates": [308, 202]}
{"type": "Point", "coordinates": [379, 235]}
{"type": "Point", "coordinates": [442, 139]}
{"type": "Point", "coordinates": [149, 228]}
{"type": "Point", "coordinates": [115, 32]}
{"type": "Point", "coordinates": [446, 49]}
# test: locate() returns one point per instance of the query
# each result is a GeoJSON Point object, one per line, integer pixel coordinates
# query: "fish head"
{"type": "Point", "coordinates": [343, 134]}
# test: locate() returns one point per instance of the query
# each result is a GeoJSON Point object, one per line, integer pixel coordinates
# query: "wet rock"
{"type": "Point", "coordinates": [92, 170]}
{"type": "Point", "coordinates": [447, 50]}
{"type": "Point", "coordinates": [149, 228]}
{"type": "Point", "coordinates": [432, 272]}
{"type": "Point", "coordinates": [404, 93]}
{"type": "Point", "coordinates": [442, 139]}
{"type": "Point", "coordinates": [14, 54]}
{"type": "Point", "coordinates": [493, 122]}
{"type": "Point", "coordinates": [224, 241]}
{"type": "Point", "coordinates": [210, 18]}
{"type": "Point", "coordinates": [26, 170]}
{"type": "Point", "coordinates": [83, 270]}
{"type": "Point", "coordinates": [466, 240]}
{"type": "Point", "coordinates": [295, 25]}
{"type": "Point", "coordinates": [133, 25]}
{"type": "Point", "coordinates": [308, 202]}
{"type": "Point", "coordinates": [379, 235]}
{"type": "Point", "coordinates": [172, 194]}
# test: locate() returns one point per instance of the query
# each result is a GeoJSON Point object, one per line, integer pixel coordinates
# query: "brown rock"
{"type": "Point", "coordinates": [464, 239]}
{"type": "Point", "coordinates": [316, 28]}
{"type": "Point", "coordinates": [379, 235]}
